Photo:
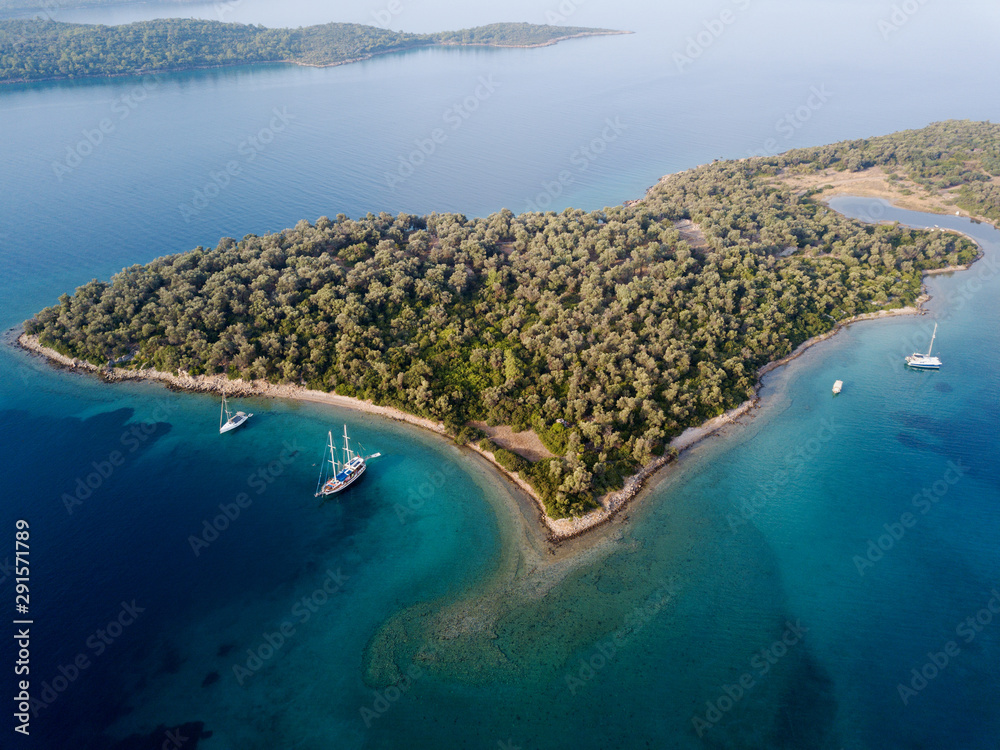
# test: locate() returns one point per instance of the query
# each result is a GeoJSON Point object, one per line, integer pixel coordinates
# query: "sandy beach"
{"type": "Point", "coordinates": [558, 530]}
{"type": "Point", "coordinates": [221, 384]}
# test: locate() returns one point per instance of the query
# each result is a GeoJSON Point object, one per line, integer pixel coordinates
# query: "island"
{"type": "Point", "coordinates": [35, 50]}
{"type": "Point", "coordinates": [47, 7]}
{"type": "Point", "coordinates": [580, 350]}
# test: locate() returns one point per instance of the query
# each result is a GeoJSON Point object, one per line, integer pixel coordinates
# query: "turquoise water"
{"type": "Point", "coordinates": [712, 565]}
{"type": "Point", "coordinates": [757, 538]}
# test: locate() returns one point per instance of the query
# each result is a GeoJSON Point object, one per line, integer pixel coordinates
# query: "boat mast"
{"type": "Point", "coordinates": [221, 409]}
{"type": "Point", "coordinates": [333, 455]}
{"type": "Point", "coordinates": [932, 340]}
{"type": "Point", "coordinates": [347, 447]}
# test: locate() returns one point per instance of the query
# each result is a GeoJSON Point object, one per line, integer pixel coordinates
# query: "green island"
{"type": "Point", "coordinates": [32, 50]}
{"type": "Point", "coordinates": [607, 333]}
{"type": "Point", "coordinates": [49, 6]}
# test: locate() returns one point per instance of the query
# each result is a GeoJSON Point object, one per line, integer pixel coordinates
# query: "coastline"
{"type": "Point", "coordinates": [557, 530]}
{"type": "Point", "coordinates": [219, 383]}
{"type": "Point", "coordinates": [563, 529]}
{"type": "Point", "coordinates": [547, 43]}
{"type": "Point", "coordinates": [303, 64]}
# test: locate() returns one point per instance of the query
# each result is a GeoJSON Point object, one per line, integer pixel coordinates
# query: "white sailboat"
{"type": "Point", "coordinates": [229, 421]}
{"type": "Point", "coordinates": [925, 361]}
{"type": "Point", "coordinates": [340, 469]}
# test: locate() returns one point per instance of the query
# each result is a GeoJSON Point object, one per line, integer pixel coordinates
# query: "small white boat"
{"type": "Point", "coordinates": [837, 386]}
{"type": "Point", "coordinates": [925, 361]}
{"type": "Point", "coordinates": [232, 421]}
{"type": "Point", "coordinates": [339, 472]}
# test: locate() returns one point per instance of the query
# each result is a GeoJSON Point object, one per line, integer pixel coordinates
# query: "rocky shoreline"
{"type": "Point", "coordinates": [558, 530]}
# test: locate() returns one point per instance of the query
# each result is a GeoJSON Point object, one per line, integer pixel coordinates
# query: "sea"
{"type": "Point", "coordinates": [822, 574]}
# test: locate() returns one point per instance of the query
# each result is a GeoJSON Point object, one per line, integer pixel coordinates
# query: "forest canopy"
{"type": "Point", "coordinates": [604, 330]}
{"type": "Point", "coordinates": [43, 49]}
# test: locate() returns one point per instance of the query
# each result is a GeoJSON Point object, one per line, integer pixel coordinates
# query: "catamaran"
{"type": "Point", "coordinates": [925, 361]}
{"type": "Point", "coordinates": [232, 421]}
{"type": "Point", "coordinates": [341, 469]}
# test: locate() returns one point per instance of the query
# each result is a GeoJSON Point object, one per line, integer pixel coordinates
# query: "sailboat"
{"type": "Point", "coordinates": [232, 421]}
{"type": "Point", "coordinates": [341, 469]}
{"type": "Point", "coordinates": [925, 361]}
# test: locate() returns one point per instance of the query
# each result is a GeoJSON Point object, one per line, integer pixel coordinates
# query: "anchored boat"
{"type": "Point", "coordinates": [232, 421]}
{"type": "Point", "coordinates": [340, 469]}
{"type": "Point", "coordinates": [837, 385]}
{"type": "Point", "coordinates": [925, 361]}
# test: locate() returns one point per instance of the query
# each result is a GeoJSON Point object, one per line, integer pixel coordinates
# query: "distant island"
{"type": "Point", "coordinates": [47, 6]}
{"type": "Point", "coordinates": [573, 348]}
{"type": "Point", "coordinates": [34, 50]}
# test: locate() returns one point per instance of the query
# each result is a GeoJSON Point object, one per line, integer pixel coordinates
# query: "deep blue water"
{"type": "Point", "coordinates": [740, 547]}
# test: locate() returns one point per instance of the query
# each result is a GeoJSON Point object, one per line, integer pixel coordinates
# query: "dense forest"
{"type": "Point", "coordinates": [44, 49]}
{"type": "Point", "coordinates": [603, 330]}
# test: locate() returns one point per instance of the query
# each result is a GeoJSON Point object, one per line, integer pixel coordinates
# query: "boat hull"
{"type": "Point", "coordinates": [923, 362]}
{"type": "Point", "coordinates": [335, 486]}
{"type": "Point", "coordinates": [238, 420]}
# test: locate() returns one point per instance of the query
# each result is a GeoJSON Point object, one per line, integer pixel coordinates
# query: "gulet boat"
{"type": "Point", "coordinates": [340, 469]}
